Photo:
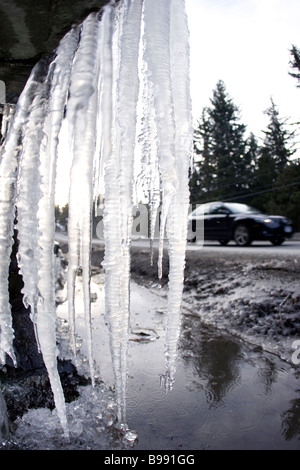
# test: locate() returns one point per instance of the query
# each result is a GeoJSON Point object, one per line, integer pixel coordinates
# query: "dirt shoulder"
{"type": "Point", "coordinates": [255, 297]}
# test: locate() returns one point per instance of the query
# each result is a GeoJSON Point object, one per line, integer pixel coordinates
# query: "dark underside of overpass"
{"type": "Point", "coordinates": [31, 29]}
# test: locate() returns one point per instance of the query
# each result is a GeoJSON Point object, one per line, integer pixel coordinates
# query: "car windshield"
{"type": "Point", "coordinates": [238, 208]}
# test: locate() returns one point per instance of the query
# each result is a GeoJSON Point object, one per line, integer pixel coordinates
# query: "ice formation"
{"type": "Point", "coordinates": [126, 63]}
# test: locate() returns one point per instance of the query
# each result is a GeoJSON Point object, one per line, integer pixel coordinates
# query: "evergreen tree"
{"type": "Point", "coordinates": [274, 164]}
{"type": "Point", "coordinates": [285, 197]}
{"type": "Point", "coordinates": [228, 141]}
{"type": "Point", "coordinates": [263, 180]}
{"type": "Point", "coordinates": [295, 63]}
{"type": "Point", "coordinates": [221, 148]}
{"type": "Point", "coordinates": [204, 174]}
{"type": "Point", "coordinates": [278, 142]}
{"type": "Point", "coordinates": [248, 167]}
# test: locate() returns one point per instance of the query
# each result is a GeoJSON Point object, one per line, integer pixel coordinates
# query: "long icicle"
{"type": "Point", "coordinates": [46, 309]}
{"type": "Point", "coordinates": [126, 114]}
{"type": "Point", "coordinates": [8, 193]}
{"type": "Point", "coordinates": [112, 213]}
{"type": "Point", "coordinates": [177, 222]}
{"type": "Point", "coordinates": [28, 199]}
{"type": "Point", "coordinates": [82, 118]}
{"type": "Point", "coordinates": [29, 165]}
{"type": "Point", "coordinates": [111, 210]}
{"type": "Point", "coordinates": [157, 57]}
{"type": "Point", "coordinates": [122, 46]}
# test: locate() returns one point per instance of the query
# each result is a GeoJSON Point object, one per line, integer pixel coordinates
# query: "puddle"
{"type": "Point", "coordinates": [227, 394]}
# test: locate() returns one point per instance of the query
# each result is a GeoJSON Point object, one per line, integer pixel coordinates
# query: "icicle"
{"type": "Point", "coordinates": [8, 188]}
{"type": "Point", "coordinates": [177, 222]}
{"type": "Point", "coordinates": [46, 316]}
{"type": "Point", "coordinates": [157, 57]}
{"type": "Point", "coordinates": [36, 207]}
{"type": "Point", "coordinates": [118, 161]}
{"type": "Point", "coordinates": [99, 72]}
{"type": "Point", "coordinates": [49, 97]}
{"type": "Point", "coordinates": [28, 198]}
{"type": "Point", "coordinates": [82, 118]}
{"type": "Point", "coordinates": [111, 214]}
{"type": "Point", "coordinates": [127, 97]}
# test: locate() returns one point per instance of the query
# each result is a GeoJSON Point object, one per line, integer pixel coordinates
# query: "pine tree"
{"type": "Point", "coordinates": [295, 63]}
{"type": "Point", "coordinates": [221, 147]}
{"type": "Point", "coordinates": [285, 199]}
{"type": "Point", "coordinates": [278, 142]}
{"type": "Point", "coordinates": [204, 175]}
{"type": "Point", "coordinates": [274, 160]}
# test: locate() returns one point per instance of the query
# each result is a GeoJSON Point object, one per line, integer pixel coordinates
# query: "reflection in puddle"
{"type": "Point", "coordinates": [215, 361]}
{"type": "Point", "coordinates": [226, 396]}
{"type": "Point", "coordinates": [291, 421]}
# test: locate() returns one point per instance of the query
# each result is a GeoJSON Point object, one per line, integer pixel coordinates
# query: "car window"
{"type": "Point", "coordinates": [241, 208]}
{"type": "Point", "coordinates": [223, 210]}
{"type": "Point", "coordinates": [215, 208]}
{"type": "Point", "coordinates": [202, 210]}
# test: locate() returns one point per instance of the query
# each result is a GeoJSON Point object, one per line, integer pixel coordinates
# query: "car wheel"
{"type": "Point", "coordinates": [223, 242]}
{"type": "Point", "coordinates": [277, 241]}
{"type": "Point", "coordinates": [242, 235]}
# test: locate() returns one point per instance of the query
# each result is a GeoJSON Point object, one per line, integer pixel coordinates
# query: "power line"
{"type": "Point", "coordinates": [262, 192]}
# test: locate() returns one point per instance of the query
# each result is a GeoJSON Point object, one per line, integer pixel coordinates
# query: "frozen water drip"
{"type": "Point", "coordinates": [124, 68]}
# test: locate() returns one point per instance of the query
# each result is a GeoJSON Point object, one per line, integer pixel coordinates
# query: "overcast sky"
{"type": "Point", "coordinates": [246, 44]}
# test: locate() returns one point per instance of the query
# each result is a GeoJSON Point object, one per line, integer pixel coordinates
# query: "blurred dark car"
{"type": "Point", "coordinates": [225, 221]}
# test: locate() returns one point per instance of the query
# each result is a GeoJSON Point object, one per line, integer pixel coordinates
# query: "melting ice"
{"type": "Point", "coordinates": [123, 68]}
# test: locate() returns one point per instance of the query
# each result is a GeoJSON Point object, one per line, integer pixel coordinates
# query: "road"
{"type": "Point", "coordinates": [288, 248]}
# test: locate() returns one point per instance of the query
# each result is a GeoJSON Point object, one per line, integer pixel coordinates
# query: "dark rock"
{"type": "Point", "coordinates": [23, 390]}
{"type": "Point", "coordinates": [30, 29]}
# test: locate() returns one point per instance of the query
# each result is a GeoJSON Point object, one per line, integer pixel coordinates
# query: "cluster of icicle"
{"type": "Point", "coordinates": [129, 60]}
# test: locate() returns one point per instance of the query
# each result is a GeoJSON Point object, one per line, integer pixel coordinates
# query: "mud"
{"type": "Point", "coordinates": [254, 297]}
